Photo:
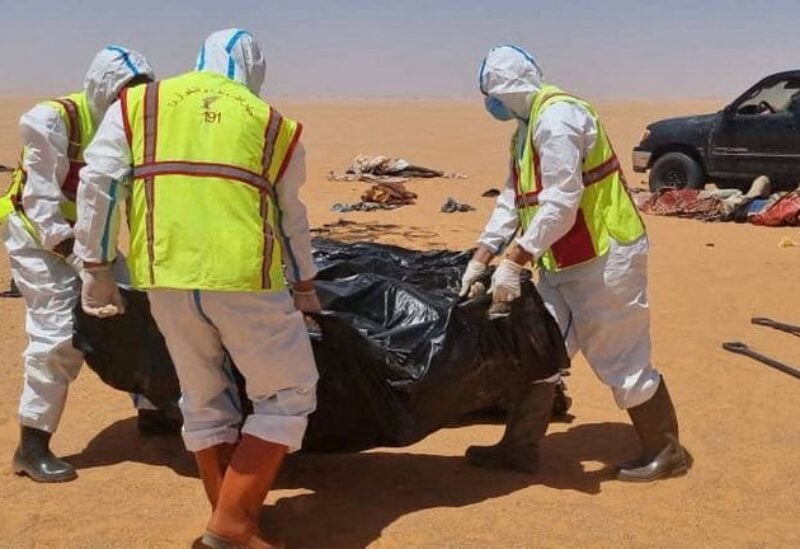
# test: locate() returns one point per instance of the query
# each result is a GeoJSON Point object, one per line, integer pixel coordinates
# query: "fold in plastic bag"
{"type": "Point", "coordinates": [128, 352]}
{"type": "Point", "coordinates": [399, 357]}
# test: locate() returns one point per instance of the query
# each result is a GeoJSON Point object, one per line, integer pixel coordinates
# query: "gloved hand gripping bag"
{"type": "Point", "coordinates": [399, 358]}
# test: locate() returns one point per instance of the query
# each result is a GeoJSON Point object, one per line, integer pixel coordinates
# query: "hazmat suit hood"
{"type": "Point", "coordinates": [511, 76]}
{"type": "Point", "coordinates": [112, 68]}
{"type": "Point", "coordinates": [235, 54]}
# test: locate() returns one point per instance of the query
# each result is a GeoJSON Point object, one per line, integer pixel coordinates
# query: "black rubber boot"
{"type": "Point", "coordinates": [34, 458]}
{"type": "Point", "coordinates": [159, 422]}
{"type": "Point", "coordinates": [526, 423]}
{"type": "Point", "coordinates": [13, 290]}
{"type": "Point", "coordinates": [662, 454]}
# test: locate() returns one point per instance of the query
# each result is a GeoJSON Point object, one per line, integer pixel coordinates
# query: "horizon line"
{"type": "Point", "coordinates": [378, 98]}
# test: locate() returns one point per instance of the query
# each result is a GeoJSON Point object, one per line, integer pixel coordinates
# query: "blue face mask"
{"type": "Point", "coordinates": [497, 109]}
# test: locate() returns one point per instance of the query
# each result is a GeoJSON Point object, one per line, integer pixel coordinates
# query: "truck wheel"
{"type": "Point", "coordinates": [677, 170]}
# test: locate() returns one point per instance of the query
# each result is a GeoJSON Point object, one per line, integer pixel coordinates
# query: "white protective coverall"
{"type": "Point", "coordinates": [601, 306]}
{"type": "Point", "coordinates": [48, 283]}
{"type": "Point", "coordinates": [263, 331]}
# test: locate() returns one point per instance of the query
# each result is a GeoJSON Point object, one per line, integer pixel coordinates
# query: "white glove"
{"type": "Point", "coordinates": [506, 282]}
{"type": "Point", "coordinates": [100, 295]}
{"type": "Point", "coordinates": [307, 302]}
{"type": "Point", "coordinates": [475, 270]}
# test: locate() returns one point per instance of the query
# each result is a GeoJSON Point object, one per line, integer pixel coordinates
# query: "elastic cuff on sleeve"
{"type": "Point", "coordinates": [494, 249]}
{"type": "Point", "coordinates": [536, 253]}
{"type": "Point", "coordinates": [86, 254]}
{"type": "Point", "coordinates": [302, 272]}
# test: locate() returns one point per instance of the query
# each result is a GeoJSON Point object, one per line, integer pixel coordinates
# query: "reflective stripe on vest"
{"type": "Point", "coordinates": [78, 120]}
{"type": "Point", "coordinates": [73, 123]}
{"type": "Point", "coordinates": [160, 170]}
{"type": "Point", "coordinates": [74, 150]}
{"type": "Point", "coordinates": [203, 169]}
{"type": "Point", "coordinates": [612, 165]}
{"type": "Point", "coordinates": [150, 141]}
{"type": "Point", "coordinates": [606, 210]}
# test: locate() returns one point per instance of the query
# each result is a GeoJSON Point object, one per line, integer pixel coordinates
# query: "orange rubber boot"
{"type": "Point", "coordinates": [250, 475]}
{"type": "Point", "coordinates": [212, 463]}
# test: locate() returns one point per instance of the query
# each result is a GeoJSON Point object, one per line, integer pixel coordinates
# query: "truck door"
{"type": "Point", "coordinates": [759, 133]}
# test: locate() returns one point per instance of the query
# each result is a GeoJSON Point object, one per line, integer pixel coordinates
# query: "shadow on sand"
{"type": "Point", "coordinates": [373, 490]}
{"type": "Point", "coordinates": [354, 497]}
{"type": "Point", "coordinates": [121, 442]}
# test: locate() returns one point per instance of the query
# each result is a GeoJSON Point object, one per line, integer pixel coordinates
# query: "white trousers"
{"type": "Point", "coordinates": [601, 307]}
{"type": "Point", "coordinates": [267, 340]}
{"type": "Point", "coordinates": [51, 290]}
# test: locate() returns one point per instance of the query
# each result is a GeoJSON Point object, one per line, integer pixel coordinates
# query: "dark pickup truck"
{"type": "Point", "coordinates": [758, 134]}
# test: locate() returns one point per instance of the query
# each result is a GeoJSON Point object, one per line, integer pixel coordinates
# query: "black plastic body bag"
{"type": "Point", "coordinates": [399, 357]}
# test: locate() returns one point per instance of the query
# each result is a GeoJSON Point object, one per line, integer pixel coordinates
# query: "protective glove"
{"type": "Point", "coordinates": [506, 282]}
{"type": "Point", "coordinates": [307, 302]}
{"type": "Point", "coordinates": [474, 271]}
{"type": "Point", "coordinates": [100, 295]}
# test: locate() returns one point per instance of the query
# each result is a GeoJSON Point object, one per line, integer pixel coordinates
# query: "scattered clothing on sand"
{"type": "Point", "coordinates": [382, 196]}
{"type": "Point", "coordinates": [785, 212]}
{"type": "Point", "coordinates": [452, 206]}
{"type": "Point", "coordinates": [758, 206]}
{"type": "Point", "coordinates": [387, 169]}
{"type": "Point", "coordinates": [682, 203]}
{"type": "Point", "coordinates": [491, 193]}
{"type": "Point", "coordinates": [363, 207]}
{"type": "Point", "coordinates": [748, 209]}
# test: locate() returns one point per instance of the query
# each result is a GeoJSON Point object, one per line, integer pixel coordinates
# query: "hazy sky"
{"type": "Point", "coordinates": [418, 48]}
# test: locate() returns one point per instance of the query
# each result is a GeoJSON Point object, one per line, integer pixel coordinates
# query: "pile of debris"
{"type": "Point", "coordinates": [386, 169]}
{"type": "Point", "coordinates": [451, 205]}
{"type": "Point", "coordinates": [689, 203]}
{"type": "Point", "coordinates": [758, 206]}
{"type": "Point", "coordinates": [389, 192]}
{"type": "Point", "coordinates": [381, 196]}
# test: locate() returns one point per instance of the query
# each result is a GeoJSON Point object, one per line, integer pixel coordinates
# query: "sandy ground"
{"type": "Point", "coordinates": [739, 418]}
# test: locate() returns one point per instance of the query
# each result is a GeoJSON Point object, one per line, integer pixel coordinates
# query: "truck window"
{"type": "Point", "coordinates": [773, 98]}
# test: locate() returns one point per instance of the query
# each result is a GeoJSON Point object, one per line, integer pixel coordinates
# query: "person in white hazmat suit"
{"type": "Point", "coordinates": [38, 215]}
{"type": "Point", "coordinates": [567, 203]}
{"type": "Point", "coordinates": [219, 236]}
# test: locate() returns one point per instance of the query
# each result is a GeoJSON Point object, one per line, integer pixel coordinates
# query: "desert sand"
{"type": "Point", "coordinates": [738, 418]}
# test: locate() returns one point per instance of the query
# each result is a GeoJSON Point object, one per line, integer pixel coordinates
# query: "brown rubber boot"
{"type": "Point", "coordinates": [526, 423]}
{"type": "Point", "coordinates": [662, 454]}
{"type": "Point", "coordinates": [212, 463]}
{"type": "Point", "coordinates": [34, 458]}
{"type": "Point", "coordinates": [250, 475]}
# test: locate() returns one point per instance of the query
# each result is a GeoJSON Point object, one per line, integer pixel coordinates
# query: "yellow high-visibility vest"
{"type": "Point", "coordinates": [77, 117]}
{"type": "Point", "coordinates": [606, 209]}
{"type": "Point", "coordinates": [207, 156]}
